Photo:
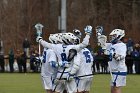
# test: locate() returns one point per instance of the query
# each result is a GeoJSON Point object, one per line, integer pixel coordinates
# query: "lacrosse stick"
{"type": "Point", "coordinates": [111, 52]}
{"type": "Point", "coordinates": [81, 76]}
{"type": "Point", "coordinates": [100, 37]}
{"type": "Point", "coordinates": [59, 79]}
{"type": "Point", "coordinates": [110, 71]}
{"type": "Point", "coordinates": [39, 28]}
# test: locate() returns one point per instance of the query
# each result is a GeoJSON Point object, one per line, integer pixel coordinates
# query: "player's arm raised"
{"type": "Point", "coordinates": [44, 43]}
{"type": "Point", "coordinates": [85, 42]}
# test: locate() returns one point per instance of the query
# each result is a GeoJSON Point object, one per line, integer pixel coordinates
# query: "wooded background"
{"type": "Point", "coordinates": [18, 17]}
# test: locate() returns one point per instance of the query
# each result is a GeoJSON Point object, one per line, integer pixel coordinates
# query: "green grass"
{"type": "Point", "coordinates": [101, 84]}
{"type": "Point", "coordinates": [31, 83]}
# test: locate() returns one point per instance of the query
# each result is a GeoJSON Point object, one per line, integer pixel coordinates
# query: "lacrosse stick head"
{"type": "Point", "coordinates": [102, 39]}
{"type": "Point", "coordinates": [39, 28]}
{"type": "Point", "coordinates": [99, 30]}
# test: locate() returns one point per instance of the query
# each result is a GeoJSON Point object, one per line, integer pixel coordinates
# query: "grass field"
{"type": "Point", "coordinates": [31, 83]}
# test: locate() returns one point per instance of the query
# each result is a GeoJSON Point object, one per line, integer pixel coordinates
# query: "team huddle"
{"type": "Point", "coordinates": [67, 63]}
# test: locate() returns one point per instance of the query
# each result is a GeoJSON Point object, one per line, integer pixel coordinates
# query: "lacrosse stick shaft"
{"type": "Point", "coordinates": [39, 50]}
{"type": "Point", "coordinates": [110, 71]}
{"type": "Point", "coordinates": [84, 75]}
{"type": "Point", "coordinates": [39, 33]}
{"type": "Point", "coordinates": [59, 79]}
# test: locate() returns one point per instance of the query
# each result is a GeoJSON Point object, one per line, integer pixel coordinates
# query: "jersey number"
{"type": "Point", "coordinates": [63, 57]}
{"type": "Point", "coordinates": [87, 56]}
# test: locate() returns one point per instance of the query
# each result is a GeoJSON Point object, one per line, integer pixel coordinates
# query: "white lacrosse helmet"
{"type": "Point", "coordinates": [68, 38]}
{"type": "Point", "coordinates": [55, 38]}
{"type": "Point", "coordinates": [60, 37]}
{"type": "Point", "coordinates": [77, 33]}
{"type": "Point", "coordinates": [117, 34]}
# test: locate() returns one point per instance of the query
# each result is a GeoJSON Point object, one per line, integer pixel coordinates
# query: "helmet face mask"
{"type": "Point", "coordinates": [99, 30]}
{"type": "Point", "coordinates": [77, 41]}
{"type": "Point", "coordinates": [112, 37]}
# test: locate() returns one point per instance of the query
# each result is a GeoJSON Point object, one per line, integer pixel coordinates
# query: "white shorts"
{"type": "Point", "coordinates": [47, 83]}
{"type": "Point", "coordinates": [62, 85]}
{"type": "Point", "coordinates": [84, 84]}
{"type": "Point", "coordinates": [119, 79]}
{"type": "Point", "coordinates": [71, 86]}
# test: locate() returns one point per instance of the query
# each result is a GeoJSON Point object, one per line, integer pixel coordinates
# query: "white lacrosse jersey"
{"type": "Point", "coordinates": [62, 52]}
{"type": "Point", "coordinates": [86, 63]}
{"type": "Point", "coordinates": [46, 69]}
{"type": "Point", "coordinates": [120, 49]}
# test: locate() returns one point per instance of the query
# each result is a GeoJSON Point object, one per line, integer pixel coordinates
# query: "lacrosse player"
{"type": "Point", "coordinates": [48, 70]}
{"type": "Point", "coordinates": [117, 64]}
{"type": "Point", "coordinates": [116, 50]}
{"type": "Point", "coordinates": [84, 73]}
